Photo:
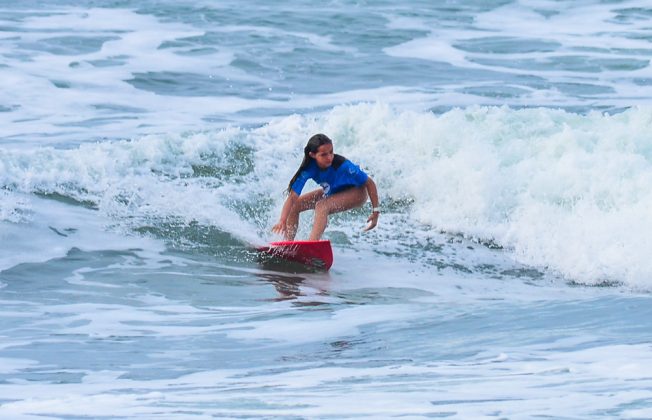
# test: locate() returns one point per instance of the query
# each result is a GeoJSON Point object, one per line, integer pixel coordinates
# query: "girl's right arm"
{"type": "Point", "coordinates": [281, 226]}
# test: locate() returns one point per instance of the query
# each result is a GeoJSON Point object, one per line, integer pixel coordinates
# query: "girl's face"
{"type": "Point", "coordinates": [323, 156]}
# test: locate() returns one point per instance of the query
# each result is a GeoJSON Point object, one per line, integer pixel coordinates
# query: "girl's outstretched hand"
{"type": "Point", "coordinates": [372, 221]}
{"type": "Point", "coordinates": [279, 228]}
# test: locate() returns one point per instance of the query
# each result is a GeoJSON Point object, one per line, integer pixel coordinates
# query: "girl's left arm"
{"type": "Point", "coordinates": [372, 191]}
{"type": "Point", "coordinates": [281, 226]}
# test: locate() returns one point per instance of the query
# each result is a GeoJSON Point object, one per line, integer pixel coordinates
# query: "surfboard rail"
{"type": "Point", "coordinates": [316, 254]}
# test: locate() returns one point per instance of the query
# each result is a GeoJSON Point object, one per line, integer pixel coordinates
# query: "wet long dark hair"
{"type": "Point", "coordinates": [313, 144]}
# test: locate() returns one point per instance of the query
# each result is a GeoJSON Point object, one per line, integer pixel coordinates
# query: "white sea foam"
{"type": "Point", "coordinates": [529, 382]}
{"type": "Point", "coordinates": [64, 97]}
{"type": "Point", "coordinates": [82, 96]}
{"type": "Point", "coordinates": [587, 32]}
{"type": "Point", "coordinates": [78, 96]}
{"type": "Point", "coordinates": [134, 46]}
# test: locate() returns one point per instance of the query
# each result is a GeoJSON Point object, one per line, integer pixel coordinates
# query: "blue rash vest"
{"type": "Point", "coordinates": [342, 174]}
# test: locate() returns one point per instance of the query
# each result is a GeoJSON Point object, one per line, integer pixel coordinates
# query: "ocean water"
{"type": "Point", "coordinates": [145, 146]}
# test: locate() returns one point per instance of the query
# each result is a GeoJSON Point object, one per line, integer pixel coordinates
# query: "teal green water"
{"type": "Point", "coordinates": [145, 149]}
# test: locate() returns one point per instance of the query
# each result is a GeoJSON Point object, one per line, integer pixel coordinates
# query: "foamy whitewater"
{"type": "Point", "coordinates": [145, 149]}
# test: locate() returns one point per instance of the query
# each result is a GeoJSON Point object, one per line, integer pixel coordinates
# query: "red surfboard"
{"type": "Point", "coordinates": [317, 254]}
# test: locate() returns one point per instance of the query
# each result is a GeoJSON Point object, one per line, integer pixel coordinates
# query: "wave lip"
{"type": "Point", "coordinates": [559, 190]}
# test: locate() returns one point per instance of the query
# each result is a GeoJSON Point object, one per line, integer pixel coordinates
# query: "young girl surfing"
{"type": "Point", "coordinates": [344, 186]}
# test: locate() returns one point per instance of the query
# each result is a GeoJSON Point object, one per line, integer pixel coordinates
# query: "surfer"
{"type": "Point", "coordinates": [344, 186]}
